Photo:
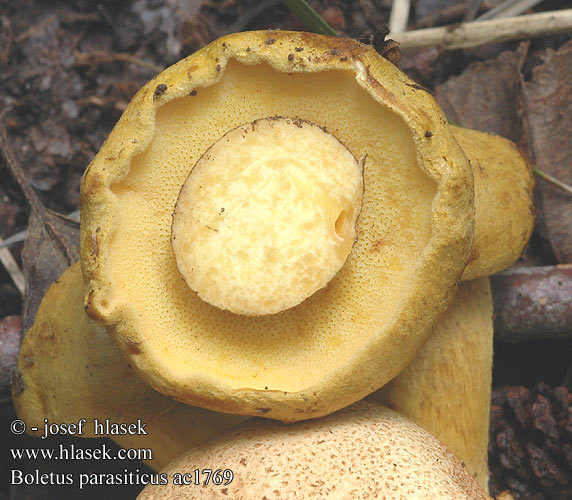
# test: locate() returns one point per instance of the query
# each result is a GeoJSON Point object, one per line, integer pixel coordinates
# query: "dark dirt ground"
{"type": "Point", "coordinates": [69, 68]}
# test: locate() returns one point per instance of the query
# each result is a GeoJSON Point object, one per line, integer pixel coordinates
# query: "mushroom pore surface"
{"type": "Point", "coordinates": [276, 351]}
{"type": "Point", "coordinates": [345, 340]}
{"type": "Point", "coordinates": [267, 216]}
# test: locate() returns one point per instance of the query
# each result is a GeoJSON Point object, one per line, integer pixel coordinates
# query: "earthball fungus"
{"type": "Point", "coordinates": [362, 452]}
{"type": "Point", "coordinates": [277, 222]}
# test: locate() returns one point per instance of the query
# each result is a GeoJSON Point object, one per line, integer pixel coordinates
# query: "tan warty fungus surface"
{"type": "Point", "coordinates": [69, 369]}
{"type": "Point", "coordinates": [258, 229]}
{"type": "Point", "coordinates": [414, 232]}
{"type": "Point", "coordinates": [364, 452]}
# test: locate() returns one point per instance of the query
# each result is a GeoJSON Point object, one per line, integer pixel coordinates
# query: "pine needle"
{"type": "Point", "coordinates": [311, 19]}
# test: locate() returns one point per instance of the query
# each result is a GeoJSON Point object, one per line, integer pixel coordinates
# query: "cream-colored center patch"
{"type": "Point", "coordinates": [267, 216]}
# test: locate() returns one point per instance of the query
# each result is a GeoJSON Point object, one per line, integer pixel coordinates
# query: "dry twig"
{"type": "Point", "coordinates": [553, 180]}
{"type": "Point", "coordinates": [477, 33]}
{"type": "Point", "coordinates": [34, 30]}
{"type": "Point", "coordinates": [7, 25]}
{"type": "Point", "coordinates": [399, 16]}
{"type": "Point", "coordinates": [12, 268]}
{"type": "Point", "coordinates": [509, 8]}
{"type": "Point", "coordinates": [99, 57]}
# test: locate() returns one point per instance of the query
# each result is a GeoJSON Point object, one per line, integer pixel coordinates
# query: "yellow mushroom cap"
{"type": "Point", "coordinates": [267, 216]}
{"type": "Point", "coordinates": [362, 452]}
{"type": "Point", "coordinates": [413, 235]}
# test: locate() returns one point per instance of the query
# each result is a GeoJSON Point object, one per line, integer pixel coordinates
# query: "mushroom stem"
{"type": "Point", "coordinates": [447, 387]}
{"type": "Point", "coordinates": [503, 201]}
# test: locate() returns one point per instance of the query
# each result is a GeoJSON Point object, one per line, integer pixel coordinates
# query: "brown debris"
{"type": "Point", "coordinates": [548, 111]}
{"type": "Point", "coordinates": [486, 95]}
{"type": "Point", "coordinates": [533, 303]}
{"type": "Point", "coordinates": [101, 57]}
{"type": "Point", "coordinates": [530, 441]}
{"type": "Point", "coordinates": [196, 33]}
{"type": "Point", "coordinates": [384, 46]}
{"type": "Point", "coordinates": [334, 16]}
{"type": "Point", "coordinates": [159, 90]}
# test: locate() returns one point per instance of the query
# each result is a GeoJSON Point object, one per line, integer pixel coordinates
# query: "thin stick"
{"type": "Point", "coordinates": [553, 180]}
{"type": "Point", "coordinates": [21, 235]}
{"type": "Point", "coordinates": [399, 16]}
{"type": "Point", "coordinates": [471, 13]}
{"type": "Point", "coordinates": [98, 57]}
{"type": "Point", "coordinates": [12, 240]}
{"type": "Point", "coordinates": [482, 32]}
{"type": "Point", "coordinates": [33, 30]}
{"type": "Point", "coordinates": [509, 8]}
{"type": "Point", "coordinates": [16, 170]}
{"type": "Point", "coordinates": [7, 25]}
{"type": "Point", "coordinates": [11, 266]}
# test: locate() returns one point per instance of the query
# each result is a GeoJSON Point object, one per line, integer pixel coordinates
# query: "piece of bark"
{"type": "Point", "coordinates": [533, 303]}
{"type": "Point", "coordinates": [547, 99]}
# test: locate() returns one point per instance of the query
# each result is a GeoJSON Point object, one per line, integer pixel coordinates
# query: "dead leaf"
{"type": "Point", "coordinates": [547, 101]}
{"type": "Point", "coordinates": [52, 244]}
{"type": "Point", "coordinates": [486, 95]}
{"type": "Point", "coordinates": [48, 252]}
